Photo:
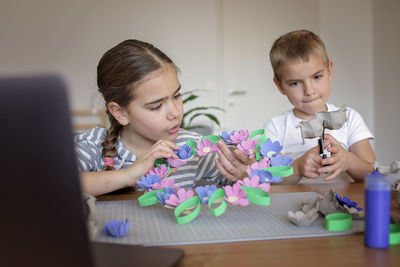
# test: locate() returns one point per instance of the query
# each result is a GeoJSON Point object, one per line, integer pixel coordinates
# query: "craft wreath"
{"type": "Point", "coordinates": [269, 167]}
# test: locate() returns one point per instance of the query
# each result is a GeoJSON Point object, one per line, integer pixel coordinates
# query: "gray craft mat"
{"type": "Point", "coordinates": [156, 225]}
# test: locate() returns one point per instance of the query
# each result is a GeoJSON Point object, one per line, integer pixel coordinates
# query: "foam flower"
{"type": "Point", "coordinates": [182, 195]}
{"type": "Point", "coordinates": [239, 136]}
{"type": "Point", "coordinates": [164, 196]}
{"type": "Point", "coordinates": [266, 176]}
{"type": "Point", "coordinates": [270, 149]}
{"type": "Point", "coordinates": [248, 147]}
{"type": "Point", "coordinates": [235, 195]}
{"type": "Point", "coordinates": [279, 160]}
{"type": "Point", "coordinates": [147, 181]}
{"type": "Point", "coordinates": [184, 152]}
{"type": "Point", "coordinates": [205, 192]}
{"type": "Point", "coordinates": [346, 201]}
{"type": "Point", "coordinates": [205, 147]}
{"type": "Point", "coordinates": [263, 163]}
{"type": "Point", "coordinates": [163, 184]}
{"type": "Point", "coordinates": [255, 182]}
{"type": "Point", "coordinates": [226, 137]}
{"type": "Point", "coordinates": [161, 171]}
{"type": "Point", "coordinates": [176, 162]}
{"type": "Point", "coordinates": [116, 228]}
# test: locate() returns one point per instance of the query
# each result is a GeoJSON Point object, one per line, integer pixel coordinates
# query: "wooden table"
{"type": "Point", "coordinates": [347, 250]}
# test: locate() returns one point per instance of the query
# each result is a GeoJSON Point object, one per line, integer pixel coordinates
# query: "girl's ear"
{"type": "Point", "coordinates": [118, 113]}
{"type": "Point", "coordinates": [278, 85]}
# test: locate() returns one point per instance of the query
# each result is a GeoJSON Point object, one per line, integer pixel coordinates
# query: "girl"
{"type": "Point", "coordinates": [141, 90]}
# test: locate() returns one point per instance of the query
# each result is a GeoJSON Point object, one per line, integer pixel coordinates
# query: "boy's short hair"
{"type": "Point", "coordinates": [295, 45]}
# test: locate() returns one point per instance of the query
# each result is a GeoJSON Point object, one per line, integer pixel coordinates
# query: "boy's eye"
{"type": "Point", "coordinates": [317, 77]}
{"type": "Point", "coordinates": [156, 108]}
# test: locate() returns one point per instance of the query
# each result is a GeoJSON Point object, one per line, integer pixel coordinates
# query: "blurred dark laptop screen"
{"type": "Point", "coordinates": [42, 219]}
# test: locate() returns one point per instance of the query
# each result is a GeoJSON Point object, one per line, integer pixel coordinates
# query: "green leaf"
{"type": "Point", "coordinates": [190, 98]}
{"type": "Point", "coordinates": [210, 116]}
{"type": "Point", "coordinates": [200, 108]}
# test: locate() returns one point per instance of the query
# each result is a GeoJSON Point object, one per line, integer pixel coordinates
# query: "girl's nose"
{"type": "Point", "coordinates": [174, 111]}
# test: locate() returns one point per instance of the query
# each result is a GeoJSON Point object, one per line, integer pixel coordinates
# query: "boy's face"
{"type": "Point", "coordinates": [156, 110]}
{"type": "Point", "coordinates": [306, 85]}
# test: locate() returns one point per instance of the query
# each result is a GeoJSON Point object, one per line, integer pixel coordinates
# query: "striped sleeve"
{"type": "Point", "coordinates": [88, 149]}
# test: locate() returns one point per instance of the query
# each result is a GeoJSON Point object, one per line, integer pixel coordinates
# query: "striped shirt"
{"type": "Point", "coordinates": [88, 150]}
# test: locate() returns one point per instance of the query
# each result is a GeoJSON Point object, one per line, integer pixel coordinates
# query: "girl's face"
{"type": "Point", "coordinates": [306, 85]}
{"type": "Point", "coordinates": [156, 110]}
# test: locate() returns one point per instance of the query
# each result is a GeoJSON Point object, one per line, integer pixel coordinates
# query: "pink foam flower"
{"type": "Point", "coordinates": [235, 195]}
{"type": "Point", "coordinates": [205, 147]}
{"type": "Point", "coordinates": [164, 183]}
{"type": "Point", "coordinates": [162, 171]}
{"type": "Point", "coordinates": [239, 136]}
{"type": "Point", "coordinates": [182, 195]}
{"type": "Point", "coordinates": [264, 163]}
{"type": "Point", "coordinates": [176, 162]}
{"type": "Point", "coordinates": [248, 147]}
{"type": "Point", "coordinates": [255, 182]}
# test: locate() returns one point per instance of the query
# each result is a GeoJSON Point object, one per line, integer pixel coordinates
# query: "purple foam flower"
{"type": "Point", "coordinates": [226, 137]}
{"type": "Point", "coordinates": [269, 149]}
{"type": "Point", "coordinates": [239, 136]}
{"type": "Point", "coordinates": [164, 196]}
{"type": "Point", "coordinates": [205, 192]}
{"type": "Point", "coordinates": [161, 171]}
{"type": "Point", "coordinates": [176, 162]}
{"type": "Point", "coordinates": [235, 195]}
{"type": "Point", "coordinates": [147, 181]}
{"type": "Point", "coordinates": [248, 147]}
{"type": "Point", "coordinates": [266, 176]}
{"type": "Point", "coordinates": [346, 201]}
{"type": "Point", "coordinates": [254, 181]}
{"type": "Point", "coordinates": [116, 228]}
{"type": "Point", "coordinates": [279, 160]}
{"type": "Point", "coordinates": [182, 195]}
{"type": "Point", "coordinates": [205, 147]}
{"type": "Point", "coordinates": [184, 152]}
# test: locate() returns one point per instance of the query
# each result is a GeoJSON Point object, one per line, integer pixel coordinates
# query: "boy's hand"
{"type": "Point", "coordinates": [233, 166]}
{"type": "Point", "coordinates": [339, 161]}
{"type": "Point", "coordinates": [310, 163]}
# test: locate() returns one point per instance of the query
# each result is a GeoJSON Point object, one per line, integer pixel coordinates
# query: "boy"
{"type": "Point", "coordinates": [303, 72]}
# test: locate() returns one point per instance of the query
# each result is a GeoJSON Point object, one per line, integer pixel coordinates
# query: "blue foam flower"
{"type": "Point", "coordinates": [270, 149]}
{"type": "Point", "coordinates": [184, 152]}
{"type": "Point", "coordinates": [265, 176]}
{"type": "Point", "coordinates": [147, 181]}
{"type": "Point", "coordinates": [346, 201]}
{"type": "Point", "coordinates": [205, 192]}
{"type": "Point", "coordinates": [164, 196]}
{"type": "Point", "coordinates": [116, 228]}
{"type": "Point", "coordinates": [279, 160]}
{"type": "Point", "coordinates": [227, 137]}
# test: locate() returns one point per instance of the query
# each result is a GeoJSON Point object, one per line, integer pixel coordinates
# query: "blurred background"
{"type": "Point", "coordinates": [221, 47]}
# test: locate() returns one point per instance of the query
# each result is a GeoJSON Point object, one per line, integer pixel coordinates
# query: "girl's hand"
{"type": "Point", "coordinates": [310, 163]}
{"type": "Point", "coordinates": [233, 166]}
{"type": "Point", "coordinates": [339, 161]}
{"type": "Point", "coordinates": [145, 162]}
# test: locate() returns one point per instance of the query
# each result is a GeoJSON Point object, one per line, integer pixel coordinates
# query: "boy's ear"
{"type": "Point", "coordinates": [278, 85]}
{"type": "Point", "coordinates": [330, 70]}
{"type": "Point", "coordinates": [118, 113]}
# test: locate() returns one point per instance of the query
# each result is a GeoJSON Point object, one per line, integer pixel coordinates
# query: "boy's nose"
{"type": "Point", "coordinates": [309, 89]}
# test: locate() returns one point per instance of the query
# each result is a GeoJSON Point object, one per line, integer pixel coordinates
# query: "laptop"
{"type": "Point", "coordinates": [42, 218]}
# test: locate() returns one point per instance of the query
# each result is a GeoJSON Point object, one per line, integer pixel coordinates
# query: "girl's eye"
{"type": "Point", "coordinates": [156, 108]}
{"type": "Point", "coordinates": [293, 84]}
{"type": "Point", "coordinates": [177, 96]}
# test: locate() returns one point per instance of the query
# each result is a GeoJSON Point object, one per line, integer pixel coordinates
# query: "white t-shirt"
{"type": "Point", "coordinates": [282, 128]}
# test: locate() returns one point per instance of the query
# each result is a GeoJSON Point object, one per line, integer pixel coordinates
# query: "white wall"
{"type": "Point", "coordinates": [386, 76]}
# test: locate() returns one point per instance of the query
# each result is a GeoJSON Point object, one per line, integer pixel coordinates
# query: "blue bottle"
{"type": "Point", "coordinates": [377, 210]}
